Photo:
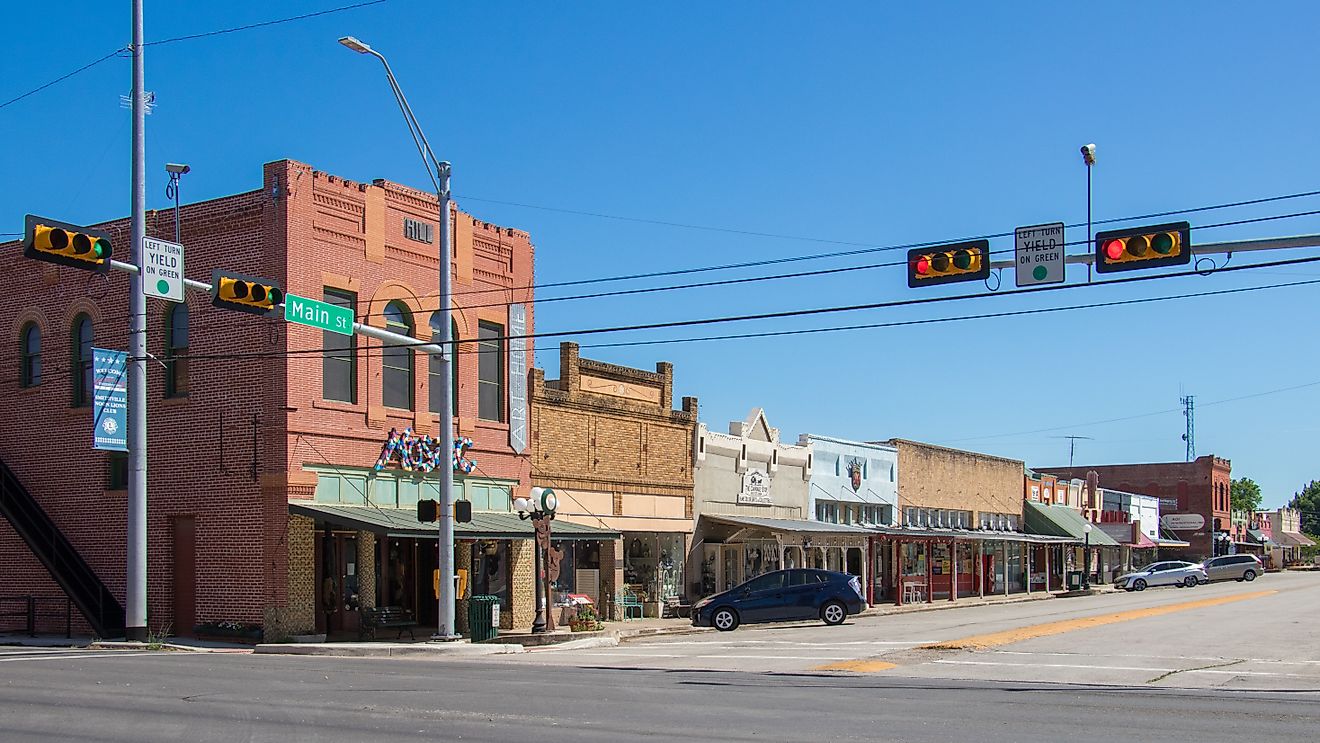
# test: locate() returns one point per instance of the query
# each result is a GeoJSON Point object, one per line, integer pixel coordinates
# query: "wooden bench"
{"type": "Point", "coordinates": [388, 617]}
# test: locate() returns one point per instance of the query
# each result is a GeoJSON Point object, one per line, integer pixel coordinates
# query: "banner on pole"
{"type": "Point", "coordinates": [110, 399]}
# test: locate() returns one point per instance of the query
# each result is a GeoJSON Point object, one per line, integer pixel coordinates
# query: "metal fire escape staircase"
{"type": "Point", "coordinates": [53, 549]}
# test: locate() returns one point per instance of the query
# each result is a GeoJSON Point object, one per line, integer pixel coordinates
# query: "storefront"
{"type": "Point", "coordinates": [653, 566]}
{"type": "Point", "coordinates": [913, 565]}
{"type": "Point", "coordinates": [729, 550]}
{"type": "Point", "coordinates": [364, 556]}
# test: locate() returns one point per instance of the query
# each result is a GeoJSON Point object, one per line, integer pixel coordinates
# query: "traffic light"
{"type": "Point", "coordinates": [66, 244]}
{"type": "Point", "coordinates": [428, 511]}
{"type": "Point", "coordinates": [463, 511]}
{"type": "Point", "coordinates": [966, 261]}
{"type": "Point", "coordinates": [234, 291]}
{"type": "Point", "coordinates": [1143, 247]}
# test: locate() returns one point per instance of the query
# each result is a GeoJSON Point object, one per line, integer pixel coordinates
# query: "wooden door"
{"type": "Point", "coordinates": [185, 575]}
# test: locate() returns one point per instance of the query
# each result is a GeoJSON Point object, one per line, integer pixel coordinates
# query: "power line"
{"type": "Point", "coordinates": [61, 79]}
{"type": "Point", "coordinates": [189, 37]}
{"type": "Point", "coordinates": [263, 24]}
{"type": "Point", "coordinates": [775, 333]}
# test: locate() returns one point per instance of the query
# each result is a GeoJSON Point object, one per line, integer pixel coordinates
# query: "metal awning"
{"type": "Point", "coordinates": [1259, 538]}
{"type": "Point", "coordinates": [1292, 539]}
{"type": "Point", "coordinates": [1062, 521]}
{"type": "Point", "coordinates": [988, 535]}
{"type": "Point", "coordinates": [1162, 542]}
{"type": "Point", "coordinates": [796, 526]}
{"type": "Point", "coordinates": [402, 522]}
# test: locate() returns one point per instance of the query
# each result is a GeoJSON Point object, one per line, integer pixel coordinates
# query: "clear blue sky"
{"type": "Point", "coordinates": [861, 122]}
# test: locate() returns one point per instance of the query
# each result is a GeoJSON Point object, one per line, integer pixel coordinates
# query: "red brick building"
{"type": "Point", "coordinates": [1199, 487]}
{"type": "Point", "coordinates": [264, 507]}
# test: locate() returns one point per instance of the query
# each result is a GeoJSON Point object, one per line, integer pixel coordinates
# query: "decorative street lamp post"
{"type": "Point", "coordinates": [1086, 568]}
{"type": "Point", "coordinates": [540, 508]}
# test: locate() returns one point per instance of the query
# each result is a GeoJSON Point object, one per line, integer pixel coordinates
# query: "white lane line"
{"type": "Point", "coordinates": [103, 654]}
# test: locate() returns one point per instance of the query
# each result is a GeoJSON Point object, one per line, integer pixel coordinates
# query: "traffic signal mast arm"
{"type": "Point", "coordinates": [1240, 246]}
{"type": "Point", "coordinates": [359, 328]}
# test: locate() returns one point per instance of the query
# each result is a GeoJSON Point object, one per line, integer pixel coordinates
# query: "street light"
{"type": "Point", "coordinates": [1086, 569]}
{"type": "Point", "coordinates": [438, 172]}
{"type": "Point", "coordinates": [1088, 157]}
{"type": "Point", "coordinates": [540, 508]}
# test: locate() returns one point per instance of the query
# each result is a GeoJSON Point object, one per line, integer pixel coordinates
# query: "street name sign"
{"type": "Point", "coordinates": [1039, 254]}
{"type": "Point", "coordinates": [162, 269]}
{"type": "Point", "coordinates": [318, 314]}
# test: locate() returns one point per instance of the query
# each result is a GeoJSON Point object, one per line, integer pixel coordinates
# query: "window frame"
{"type": "Point", "coordinates": [80, 382]}
{"type": "Point", "coordinates": [29, 360]}
{"type": "Point", "coordinates": [176, 356]}
{"type": "Point", "coordinates": [409, 368]}
{"type": "Point", "coordinates": [333, 354]}
{"type": "Point", "coordinates": [497, 346]}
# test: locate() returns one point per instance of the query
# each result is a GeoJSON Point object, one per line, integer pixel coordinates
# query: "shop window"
{"type": "Point", "coordinates": [385, 492]}
{"type": "Point", "coordinates": [339, 362]}
{"type": "Point", "coordinates": [397, 361]}
{"type": "Point", "coordinates": [490, 371]}
{"type": "Point", "coordinates": [490, 571]}
{"type": "Point", "coordinates": [30, 355]}
{"type": "Point", "coordinates": [328, 488]}
{"type": "Point", "coordinates": [81, 366]}
{"type": "Point", "coordinates": [176, 350]}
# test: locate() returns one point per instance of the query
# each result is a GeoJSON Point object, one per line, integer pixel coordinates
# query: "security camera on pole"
{"type": "Point", "coordinates": [540, 508]}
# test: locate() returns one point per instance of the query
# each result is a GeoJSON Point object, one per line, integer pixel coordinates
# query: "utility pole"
{"type": "Point", "coordinates": [1190, 436]}
{"type": "Point", "coordinates": [1072, 446]}
{"type": "Point", "coordinates": [135, 579]}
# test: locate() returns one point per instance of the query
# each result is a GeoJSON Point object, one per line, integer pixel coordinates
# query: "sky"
{"type": "Point", "coordinates": [820, 127]}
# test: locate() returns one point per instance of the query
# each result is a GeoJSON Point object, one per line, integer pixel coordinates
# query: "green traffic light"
{"type": "Point", "coordinates": [962, 259]}
{"type": "Point", "coordinates": [101, 247]}
{"type": "Point", "coordinates": [1162, 243]}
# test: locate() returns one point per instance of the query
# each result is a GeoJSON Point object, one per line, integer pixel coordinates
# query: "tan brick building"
{"type": "Point", "coordinates": [608, 440]}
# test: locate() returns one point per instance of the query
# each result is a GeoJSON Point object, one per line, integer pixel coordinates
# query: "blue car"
{"type": "Point", "coordinates": [781, 596]}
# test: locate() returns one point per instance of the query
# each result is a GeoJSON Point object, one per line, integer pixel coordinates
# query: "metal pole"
{"type": "Point", "coordinates": [538, 622]}
{"type": "Point", "coordinates": [1086, 569]}
{"type": "Point", "coordinates": [135, 613]}
{"type": "Point", "coordinates": [445, 625]}
{"type": "Point", "coordinates": [174, 177]}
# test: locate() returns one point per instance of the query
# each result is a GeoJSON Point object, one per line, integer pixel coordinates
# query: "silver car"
{"type": "Point", "coordinates": [1171, 573]}
{"type": "Point", "coordinates": [1238, 567]}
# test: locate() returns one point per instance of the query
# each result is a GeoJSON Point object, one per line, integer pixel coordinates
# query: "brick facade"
{"type": "Point", "coordinates": [932, 476]}
{"type": "Point", "coordinates": [1198, 487]}
{"type": "Point", "coordinates": [232, 452]}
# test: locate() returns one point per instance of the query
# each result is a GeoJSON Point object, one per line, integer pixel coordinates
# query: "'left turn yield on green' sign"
{"type": "Point", "coordinates": [162, 269]}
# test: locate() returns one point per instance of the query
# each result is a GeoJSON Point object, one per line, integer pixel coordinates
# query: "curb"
{"type": "Point", "coordinates": [131, 645]}
{"type": "Point", "coordinates": [583, 644]}
{"type": "Point", "coordinates": [376, 650]}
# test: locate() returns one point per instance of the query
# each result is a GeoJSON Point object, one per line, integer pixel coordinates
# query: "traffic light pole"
{"type": "Point", "coordinates": [135, 609]}
{"type": "Point", "coordinates": [445, 624]}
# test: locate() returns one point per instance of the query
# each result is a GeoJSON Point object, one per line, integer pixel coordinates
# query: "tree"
{"type": "Point", "coordinates": [1244, 495]}
{"type": "Point", "coordinates": [1308, 502]}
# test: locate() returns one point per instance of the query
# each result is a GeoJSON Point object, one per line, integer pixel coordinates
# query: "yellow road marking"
{"type": "Point", "coordinates": [1019, 634]}
{"type": "Point", "coordinates": [857, 666]}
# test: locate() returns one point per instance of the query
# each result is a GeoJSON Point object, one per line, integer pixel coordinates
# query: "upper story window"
{"type": "Point", "coordinates": [176, 350]}
{"type": "Point", "coordinates": [81, 366]}
{"type": "Point", "coordinates": [397, 362]}
{"type": "Point", "coordinates": [490, 371]}
{"type": "Point", "coordinates": [339, 362]}
{"type": "Point", "coordinates": [30, 355]}
{"type": "Point", "coordinates": [433, 372]}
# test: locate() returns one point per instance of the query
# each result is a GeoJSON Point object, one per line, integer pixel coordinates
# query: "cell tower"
{"type": "Point", "coordinates": [1190, 437]}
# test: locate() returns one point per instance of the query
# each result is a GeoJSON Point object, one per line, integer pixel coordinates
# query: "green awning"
{"type": "Point", "coordinates": [402, 522]}
{"type": "Point", "coordinates": [1062, 521]}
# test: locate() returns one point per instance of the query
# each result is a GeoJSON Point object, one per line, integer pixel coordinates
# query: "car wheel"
{"type": "Point", "coordinates": [1249, 576]}
{"type": "Point", "coordinates": [1129, 589]}
{"type": "Point", "coordinates": [1139, 584]}
{"type": "Point", "coordinates": [833, 613]}
{"type": "Point", "coordinates": [725, 619]}
{"type": "Point", "coordinates": [1190, 581]}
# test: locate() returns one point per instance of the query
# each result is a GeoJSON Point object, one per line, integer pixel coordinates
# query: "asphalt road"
{"type": "Point", "coordinates": [761, 684]}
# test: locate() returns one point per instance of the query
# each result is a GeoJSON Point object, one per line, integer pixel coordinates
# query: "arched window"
{"type": "Point", "coordinates": [81, 367]}
{"type": "Point", "coordinates": [176, 350]}
{"type": "Point", "coordinates": [433, 371]}
{"type": "Point", "coordinates": [397, 371]}
{"type": "Point", "coordinates": [30, 355]}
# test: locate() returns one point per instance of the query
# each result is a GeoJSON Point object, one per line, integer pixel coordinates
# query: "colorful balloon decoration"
{"type": "Point", "coordinates": [422, 453]}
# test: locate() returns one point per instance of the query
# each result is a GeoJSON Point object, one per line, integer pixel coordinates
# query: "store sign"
{"type": "Point", "coordinates": [755, 489]}
{"type": "Point", "coordinates": [109, 400]}
{"type": "Point", "coordinates": [517, 377]}
{"type": "Point", "coordinates": [417, 230]}
{"type": "Point", "coordinates": [1183, 521]}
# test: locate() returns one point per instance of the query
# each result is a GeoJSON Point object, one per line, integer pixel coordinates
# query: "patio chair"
{"type": "Point", "coordinates": [628, 603]}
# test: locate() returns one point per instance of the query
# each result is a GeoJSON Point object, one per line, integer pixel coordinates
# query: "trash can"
{"type": "Point", "coordinates": [484, 618]}
{"type": "Point", "coordinates": [1074, 580]}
